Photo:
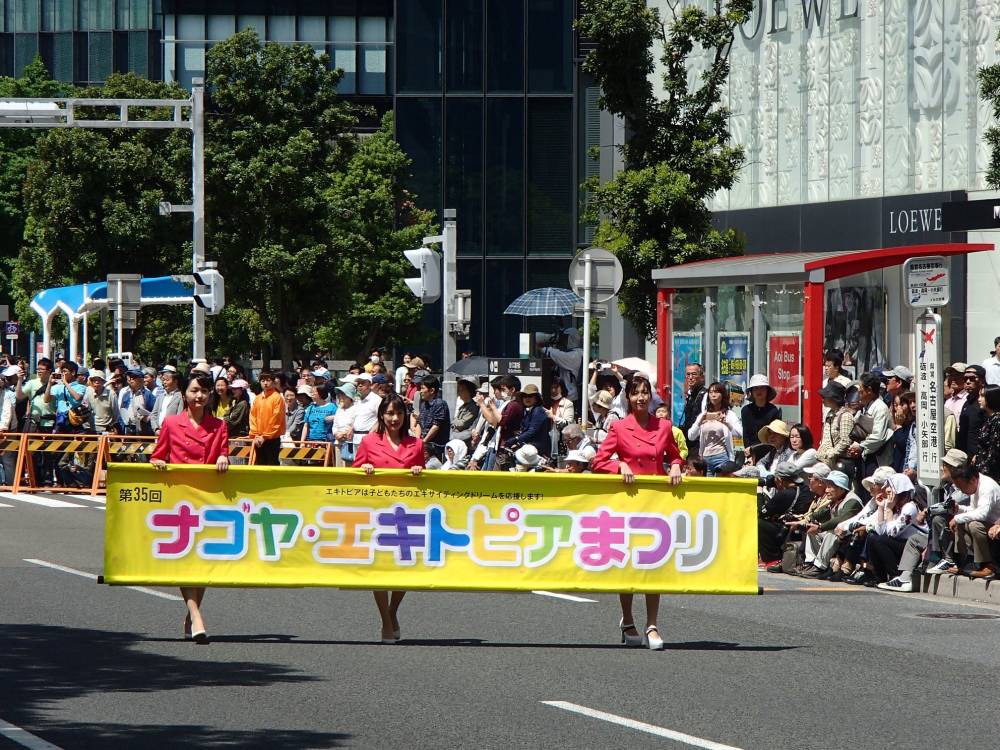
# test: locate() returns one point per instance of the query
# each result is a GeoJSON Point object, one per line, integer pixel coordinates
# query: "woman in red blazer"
{"type": "Point", "coordinates": [639, 444]}
{"type": "Point", "coordinates": [193, 437]}
{"type": "Point", "coordinates": [390, 446]}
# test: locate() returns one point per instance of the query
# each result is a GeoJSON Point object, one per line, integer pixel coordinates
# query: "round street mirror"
{"type": "Point", "coordinates": [606, 274]}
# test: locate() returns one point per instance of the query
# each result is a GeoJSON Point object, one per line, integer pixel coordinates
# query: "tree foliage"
{"type": "Point", "coordinates": [989, 87]}
{"type": "Point", "coordinates": [678, 153]}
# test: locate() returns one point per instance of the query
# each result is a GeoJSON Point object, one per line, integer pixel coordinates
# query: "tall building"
{"type": "Point", "coordinates": [490, 104]}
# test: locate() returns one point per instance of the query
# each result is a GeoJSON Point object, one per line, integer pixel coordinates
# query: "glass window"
{"type": "Point", "coordinates": [418, 130]}
{"type": "Point", "coordinates": [99, 56]}
{"type": "Point", "coordinates": [6, 9]}
{"type": "Point", "coordinates": [252, 22]}
{"type": "Point", "coordinates": [220, 27]}
{"type": "Point", "coordinates": [550, 176]}
{"type": "Point", "coordinates": [373, 54]}
{"type": "Point", "coordinates": [133, 15]}
{"type": "Point", "coordinates": [504, 45]}
{"type": "Point", "coordinates": [464, 170]}
{"type": "Point", "coordinates": [57, 15]}
{"type": "Point", "coordinates": [550, 46]}
{"type": "Point", "coordinates": [138, 53]}
{"type": "Point", "coordinates": [312, 30]}
{"type": "Point", "coordinates": [419, 46]}
{"type": "Point", "coordinates": [26, 16]}
{"type": "Point", "coordinates": [506, 283]}
{"type": "Point", "coordinates": [25, 49]}
{"type": "Point", "coordinates": [465, 45]}
{"type": "Point", "coordinates": [344, 56]}
{"type": "Point", "coordinates": [191, 27]}
{"type": "Point", "coordinates": [62, 57]}
{"type": "Point", "coordinates": [281, 28]}
{"type": "Point", "coordinates": [590, 139]}
{"type": "Point", "coordinates": [96, 15]}
{"type": "Point", "coordinates": [504, 211]}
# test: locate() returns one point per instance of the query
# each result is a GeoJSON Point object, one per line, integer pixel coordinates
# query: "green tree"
{"type": "Point", "coordinates": [277, 135]}
{"type": "Point", "coordinates": [678, 153]}
{"type": "Point", "coordinates": [17, 149]}
{"type": "Point", "coordinates": [373, 219]}
{"type": "Point", "coordinates": [91, 203]}
{"type": "Point", "coordinates": [989, 88]}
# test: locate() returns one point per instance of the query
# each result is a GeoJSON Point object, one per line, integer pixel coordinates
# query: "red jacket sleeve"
{"type": "Point", "coordinates": [603, 462]}
{"type": "Point", "coordinates": [161, 452]}
{"type": "Point", "coordinates": [220, 443]}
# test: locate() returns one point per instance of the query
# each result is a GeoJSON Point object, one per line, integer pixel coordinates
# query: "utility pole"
{"type": "Point", "coordinates": [449, 385]}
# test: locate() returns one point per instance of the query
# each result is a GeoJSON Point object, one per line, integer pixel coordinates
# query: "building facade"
{"type": "Point", "coordinates": [859, 119]}
{"type": "Point", "coordinates": [489, 104]}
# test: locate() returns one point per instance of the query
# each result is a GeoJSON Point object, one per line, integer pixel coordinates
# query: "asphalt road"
{"type": "Point", "coordinates": [806, 665]}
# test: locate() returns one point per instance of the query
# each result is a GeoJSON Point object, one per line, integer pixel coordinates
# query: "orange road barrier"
{"type": "Point", "coordinates": [56, 444]}
{"type": "Point", "coordinates": [11, 442]}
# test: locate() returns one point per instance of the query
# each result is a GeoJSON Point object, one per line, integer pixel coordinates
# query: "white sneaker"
{"type": "Point", "coordinates": [940, 567]}
{"type": "Point", "coordinates": [897, 584]}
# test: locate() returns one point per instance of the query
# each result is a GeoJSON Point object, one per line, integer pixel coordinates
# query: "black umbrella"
{"type": "Point", "coordinates": [471, 366]}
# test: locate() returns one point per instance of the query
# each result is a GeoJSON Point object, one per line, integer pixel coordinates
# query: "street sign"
{"type": "Point", "coordinates": [127, 286]}
{"type": "Point", "coordinates": [607, 274]}
{"type": "Point", "coordinates": [515, 367]}
{"type": "Point", "coordinates": [12, 330]}
{"type": "Point", "coordinates": [930, 403]}
{"type": "Point", "coordinates": [928, 283]}
{"type": "Point", "coordinates": [965, 216]}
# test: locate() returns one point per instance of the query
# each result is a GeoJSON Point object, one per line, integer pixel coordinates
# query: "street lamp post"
{"type": "Point", "coordinates": [187, 114]}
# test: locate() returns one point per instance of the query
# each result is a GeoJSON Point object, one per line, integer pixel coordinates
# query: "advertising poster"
{"type": "Point", "coordinates": [784, 367]}
{"type": "Point", "coordinates": [686, 349]}
{"type": "Point", "coordinates": [446, 530]}
{"type": "Point", "coordinates": [734, 358]}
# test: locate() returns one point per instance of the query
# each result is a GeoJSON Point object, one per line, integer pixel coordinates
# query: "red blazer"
{"type": "Point", "coordinates": [374, 449]}
{"type": "Point", "coordinates": [180, 442]}
{"type": "Point", "coordinates": [642, 449]}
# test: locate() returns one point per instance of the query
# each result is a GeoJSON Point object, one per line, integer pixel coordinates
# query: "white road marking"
{"type": "Point", "coordinates": [24, 738]}
{"type": "Point", "coordinates": [641, 726]}
{"type": "Point", "coordinates": [49, 502]}
{"type": "Point", "coordinates": [567, 597]}
{"type": "Point", "coordinates": [4, 505]}
{"type": "Point", "coordinates": [93, 577]}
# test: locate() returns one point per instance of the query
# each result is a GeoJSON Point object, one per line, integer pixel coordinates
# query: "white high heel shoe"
{"type": "Point", "coordinates": [630, 641]}
{"type": "Point", "coordinates": [653, 639]}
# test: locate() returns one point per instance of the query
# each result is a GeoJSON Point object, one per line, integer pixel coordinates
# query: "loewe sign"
{"type": "Point", "coordinates": [916, 220]}
{"type": "Point", "coordinates": [778, 10]}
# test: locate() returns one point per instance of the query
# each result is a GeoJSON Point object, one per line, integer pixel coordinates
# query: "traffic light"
{"type": "Point", "coordinates": [428, 286]}
{"type": "Point", "coordinates": [215, 299]}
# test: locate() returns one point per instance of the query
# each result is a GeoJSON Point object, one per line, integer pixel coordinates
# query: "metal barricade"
{"type": "Point", "coordinates": [83, 475]}
{"type": "Point", "coordinates": [11, 443]}
{"type": "Point", "coordinates": [307, 451]}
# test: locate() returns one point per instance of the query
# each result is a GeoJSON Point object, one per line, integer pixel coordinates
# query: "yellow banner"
{"type": "Point", "coordinates": [305, 526]}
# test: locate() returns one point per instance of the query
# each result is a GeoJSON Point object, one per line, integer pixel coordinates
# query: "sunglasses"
{"type": "Point", "coordinates": [971, 378]}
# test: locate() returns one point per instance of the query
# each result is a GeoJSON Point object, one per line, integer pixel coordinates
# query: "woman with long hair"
{"type": "Point", "coordinates": [640, 444]}
{"type": "Point", "coordinates": [715, 428]}
{"type": "Point", "coordinates": [987, 460]}
{"type": "Point", "coordinates": [390, 446]}
{"type": "Point", "coordinates": [193, 437]}
{"type": "Point", "coordinates": [238, 416]}
{"type": "Point", "coordinates": [221, 399]}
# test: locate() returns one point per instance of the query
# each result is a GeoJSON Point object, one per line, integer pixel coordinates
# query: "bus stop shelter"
{"type": "Point", "coordinates": [774, 309]}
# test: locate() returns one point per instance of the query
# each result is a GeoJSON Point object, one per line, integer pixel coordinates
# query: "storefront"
{"type": "Point", "coordinates": [777, 313]}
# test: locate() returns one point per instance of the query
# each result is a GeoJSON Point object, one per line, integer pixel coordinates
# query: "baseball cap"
{"type": "Point", "coordinates": [168, 368]}
{"type": "Point", "coordinates": [93, 375]}
{"type": "Point", "coordinates": [903, 373]}
{"type": "Point", "coordinates": [364, 376]}
{"type": "Point", "coordinates": [239, 383]}
{"type": "Point", "coordinates": [379, 378]}
{"type": "Point", "coordinates": [134, 372]}
{"type": "Point", "coordinates": [320, 372]}
{"type": "Point", "coordinates": [819, 470]}
{"type": "Point", "coordinates": [955, 458]}
{"type": "Point", "coordinates": [348, 390]}
{"type": "Point", "coordinates": [787, 470]}
{"type": "Point", "coordinates": [878, 478]}
{"type": "Point", "coordinates": [304, 390]}
{"type": "Point", "coordinates": [956, 367]}
{"type": "Point", "coordinates": [11, 371]}
{"type": "Point", "coordinates": [350, 378]}
{"type": "Point", "coordinates": [978, 369]}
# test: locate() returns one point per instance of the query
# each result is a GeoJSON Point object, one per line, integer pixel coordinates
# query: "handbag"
{"type": "Point", "coordinates": [863, 426]}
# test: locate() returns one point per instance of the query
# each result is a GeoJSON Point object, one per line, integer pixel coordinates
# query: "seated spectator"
{"type": "Point", "coordinates": [854, 531]}
{"type": "Point", "coordinates": [800, 438]}
{"type": "Point", "coordinates": [728, 469]}
{"type": "Point", "coordinates": [821, 538]}
{"type": "Point", "coordinates": [896, 520]}
{"type": "Point", "coordinates": [776, 435]}
{"type": "Point", "coordinates": [771, 529]}
{"type": "Point", "coordinates": [575, 439]}
{"type": "Point", "coordinates": [973, 521]}
{"type": "Point", "coordinates": [526, 458]}
{"type": "Point", "coordinates": [456, 455]}
{"type": "Point", "coordinates": [535, 424]}
{"type": "Point", "coordinates": [576, 462]}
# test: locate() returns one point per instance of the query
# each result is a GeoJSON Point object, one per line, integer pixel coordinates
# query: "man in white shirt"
{"type": "Point", "coordinates": [992, 364]}
{"type": "Point", "coordinates": [11, 384]}
{"type": "Point", "coordinates": [973, 523]}
{"type": "Point", "coordinates": [365, 408]}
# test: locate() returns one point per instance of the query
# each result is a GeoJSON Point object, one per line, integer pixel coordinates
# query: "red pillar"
{"type": "Point", "coordinates": [813, 334]}
{"type": "Point", "coordinates": [664, 298]}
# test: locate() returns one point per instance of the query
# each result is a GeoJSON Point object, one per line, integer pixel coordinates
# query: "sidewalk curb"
{"type": "Point", "coordinates": [959, 587]}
